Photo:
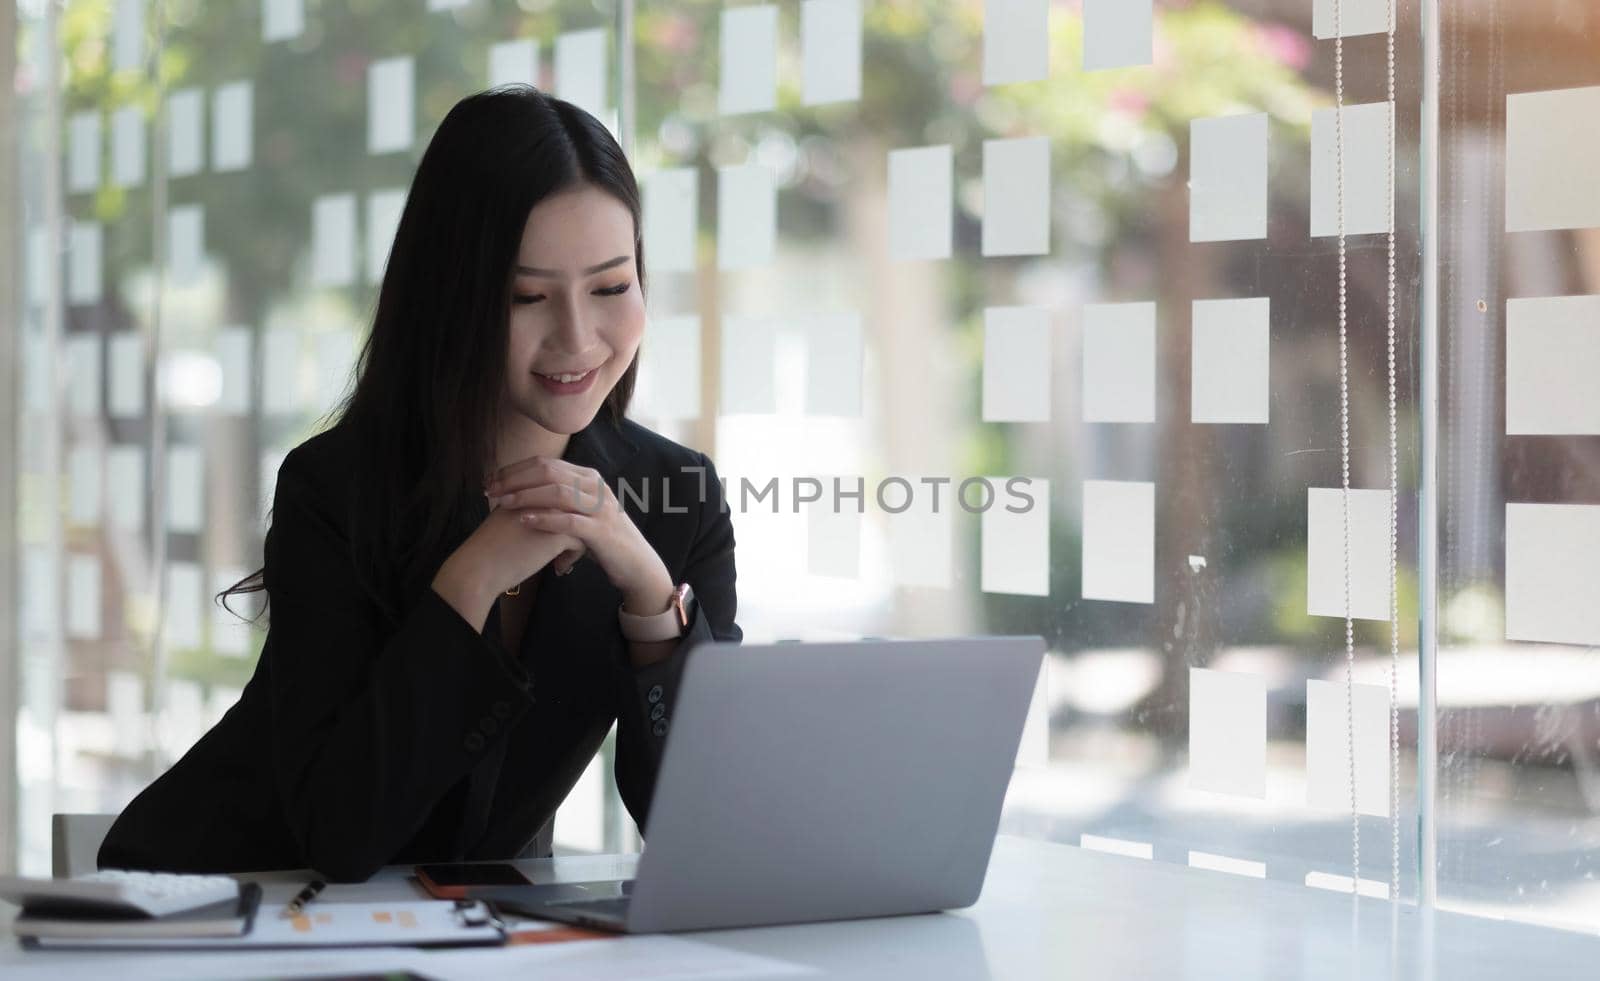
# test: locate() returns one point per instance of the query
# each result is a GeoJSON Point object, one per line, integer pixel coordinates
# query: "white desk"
{"type": "Point", "coordinates": [1047, 910]}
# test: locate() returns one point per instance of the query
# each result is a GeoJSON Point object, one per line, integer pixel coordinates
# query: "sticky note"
{"type": "Point", "coordinates": [747, 216]}
{"type": "Point", "coordinates": [1369, 553]}
{"type": "Point", "coordinates": [84, 263]}
{"type": "Point", "coordinates": [918, 514]}
{"type": "Point", "coordinates": [1016, 41]}
{"type": "Point", "coordinates": [391, 105]}
{"type": "Point", "coordinates": [1552, 361]}
{"type": "Point", "coordinates": [83, 485]}
{"type": "Point", "coordinates": [127, 147]}
{"type": "Point", "coordinates": [1016, 364]}
{"type": "Point", "coordinates": [41, 593]}
{"type": "Point", "coordinates": [748, 82]}
{"type": "Point", "coordinates": [127, 35]}
{"type": "Point", "coordinates": [920, 202]}
{"type": "Point", "coordinates": [1119, 535]}
{"type": "Point", "coordinates": [1353, 17]}
{"type": "Point", "coordinates": [185, 149]}
{"type": "Point", "coordinates": [1230, 347]}
{"type": "Point", "coordinates": [1368, 133]}
{"type": "Point", "coordinates": [125, 471]}
{"type": "Point", "coordinates": [1228, 732]}
{"type": "Point", "coordinates": [282, 20]}
{"type": "Point", "coordinates": [1016, 196]}
{"type": "Point", "coordinates": [280, 371]}
{"type": "Point", "coordinates": [749, 365]}
{"type": "Point", "coordinates": [514, 61]}
{"type": "Point", "coordinates": [1552, 156]}
{"type": "Point", "coordinates": [669, 369]}
{"type": "Point", "coordinates": [1119, 362]}
{"type": "Point", "coordinates": [830, 50]}
{"type": "Point", "coordinates": [1228, 178]}
{"type": "Point", "coordinates": [336, 353]}
{"type": "Point", "coordinates": [671, 212]}
{"type": "Point", "coordinates": [83, 597]}
{"type": "Point", "coordinates": [333, 240]}
{"type": "Point", "coordinates": [580, 75]}
{"type": "Point", "coordinates": [1328, 731]}
{"type": "Point", "coordinates": [232, 350]}
{"type": "Point", "coordinates": [230, 632]}
{"type": "Point", "coordinates": [383, 218]}
{"type": "Point", "coordinates": [1117, 33]}
{"type": "Point", "coordinates": [1015, 538]}
{"type": "Point", "coordinates": [232, 126]}
{"type": "Point", "coordinates": [83, 374]}
{"type": "Point", "coordinates": [182, 614]}
{"type": "Point", "coordinates": [1552, 565]}
{"type": "Point", "coordinates": [833, 535]}
{"type": "Point", "coordinates": [185, 244]}
{"type": "Point", "coordinates": [83, 151]}
{"type": "Point", "coordinates": [185, 479]}
{"type": "Point", "coordinates": [833, 364]}
{"type": "Point", "coordinates": [125, 388]}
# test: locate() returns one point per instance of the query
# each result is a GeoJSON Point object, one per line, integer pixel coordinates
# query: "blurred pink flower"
{"type": "Point", "coordinates": [1130, 102]}
{"type": "Point", "coordinates": [1285, 44]}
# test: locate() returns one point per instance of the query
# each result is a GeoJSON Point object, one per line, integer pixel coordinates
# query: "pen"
{"type": "Point", "coordinates": [305, 896]}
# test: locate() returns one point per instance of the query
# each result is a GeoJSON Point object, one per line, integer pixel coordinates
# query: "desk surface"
{"type": "Point", "coordinates": [1047, 910]}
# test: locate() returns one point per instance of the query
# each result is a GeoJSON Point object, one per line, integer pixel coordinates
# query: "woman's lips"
{"type": "Point", "coordinates": [567, 383]}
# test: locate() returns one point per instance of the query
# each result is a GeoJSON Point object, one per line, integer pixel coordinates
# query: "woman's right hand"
{"type": "Point", "coordinates": [498, 555]}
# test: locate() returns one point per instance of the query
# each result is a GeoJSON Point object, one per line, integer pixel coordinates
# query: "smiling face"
{"type": "Point", "coordinates": [576, 311]}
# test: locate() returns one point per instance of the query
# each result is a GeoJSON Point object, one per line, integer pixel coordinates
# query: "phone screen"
{"type": "Point", "coordinates": [451, 880]}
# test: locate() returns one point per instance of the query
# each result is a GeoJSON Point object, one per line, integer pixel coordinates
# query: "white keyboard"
{"type": "Point", "coordinates": [120, 892]}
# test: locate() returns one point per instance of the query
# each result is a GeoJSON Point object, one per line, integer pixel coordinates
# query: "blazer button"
{"type": "Point", "coordinates": [660, 728]}
{"type": "Point", "coordinates": [655, 694]}
{"type": "Point", "coordinates": [501, 710]}
{"type": "Point", "coordinates": [658, 711]}
{"type": "Point", "coordinates": [488, 724]}
{"type": "Point", "coordinates": [473, 742]}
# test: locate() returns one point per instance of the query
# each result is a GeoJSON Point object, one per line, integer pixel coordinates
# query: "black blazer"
{"type": "Point", "coordinates": [361, 740]}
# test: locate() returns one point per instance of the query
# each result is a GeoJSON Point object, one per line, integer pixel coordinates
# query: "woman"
{"type": "Point", "coordinates": [459, 606]}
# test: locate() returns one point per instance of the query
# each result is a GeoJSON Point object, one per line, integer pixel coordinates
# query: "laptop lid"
{"type": "Point", "coordinates": [834, 780]}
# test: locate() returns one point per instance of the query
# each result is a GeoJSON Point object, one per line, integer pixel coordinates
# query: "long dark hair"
{"type": "Point", "coordinates": [429, 377]}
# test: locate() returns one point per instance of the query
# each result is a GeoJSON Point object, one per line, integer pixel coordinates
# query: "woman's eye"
{"type": "Point", "coordinates": [521, 298]}
{"type": "Point", "coordinates": [617, 290]}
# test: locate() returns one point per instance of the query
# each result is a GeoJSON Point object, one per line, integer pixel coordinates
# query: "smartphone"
{"type": "Point", "coordinates": [454, 880]}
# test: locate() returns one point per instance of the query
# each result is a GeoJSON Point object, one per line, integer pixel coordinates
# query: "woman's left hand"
{"type": "Point", "coordinates": [556, 496]}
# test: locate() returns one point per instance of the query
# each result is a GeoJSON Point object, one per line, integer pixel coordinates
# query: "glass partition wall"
{"type": "Point", "coordinates": [1004, 317]}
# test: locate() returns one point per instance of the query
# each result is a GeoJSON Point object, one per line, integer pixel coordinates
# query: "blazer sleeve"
{"type": "Point", "coordinates": [370, 727]}
{"type": "Point", "coordinates": [649, 693]}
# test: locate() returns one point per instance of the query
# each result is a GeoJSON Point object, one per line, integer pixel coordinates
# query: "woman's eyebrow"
{"type": "Point", "coordinates": [556, 273]}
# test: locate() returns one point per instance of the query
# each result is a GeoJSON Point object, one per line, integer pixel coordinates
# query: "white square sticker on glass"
{"type": "Point", "coordinates": [919, 517]}
{"type": "Point", "coordinates": [83, 485]}
{"type": "Point", "coordinates": [84, 263]}
{"type": "Point", "coordinates": [40, 592]}
{"type": "Point", "coordinates": [830, 43]}
{"type": "Point", "coordinates": [1368, 133]}
{"type": "Point", "coordinates": [83, 151]}
{"type": "Point", "coordinates": [185, 244]}
{"type": "Point", "coordinates": [669, 369]}
{"type": "Point", "coordinates": [1016, 196]}
{"type": "Point", "coordinates": [282, 20]}
{"type": "Point", "coordinates": [125, 706]}
{"type": "Point", "coordinates": [333, 240]}
{"type": "Point", "coordinates": [83, 596]}
{"type": "Point", "coordinates": [1228, 732]}
{"type": "Point", "coordinates": [1230, 348]}
{"type": "Point", "coordinates": [383, 218]}
{"type": "Point", "coordinates": [185, 489]}
{"type": "Point", "coordinates": [748, 80]}
{"type": "Point", "coordinates": [182, 622]}
{"type": "Point", "coordinates": [125, 470]}
{"type": "Point", "coordinates": [1016, 364]}
{"type": "Point", "coordinates": [230, 628]}
{"type": "Point", "coordinates": [185, 146]}
{"type": "Point", "coordinates": [1119, 535]}
{"type": "Point", "coordinates": [1369, 553]}
{"type": "Point", "coordinates": [1328, 739]}
{"type": "Point", "coordinates": [1350, 18]}
{"type": "Point", "coordinates": [127, 36]}
{"type": "Point", "coordinates": [834, 355]}
{"type": "Point", "coordinates": [1552, 566]}
{"type": "Point", "coordinates": [125, 391]}
{"type": "Point", "coordinates": [1117, 33]}
{"type": "Point", "coordinates": [833, 534]}
{"type": "Point", "coordinates": [233, 358]}
{"type": "Point", "coordinates": [747, 212]}
{"type": "Point", "coordinates": [280, 372]}
{"type": "Point", "coordinates": [391, 105]}
{"type": "Point", "coordinates": [83, 374]}
{"type": "Point", "coordinates": [1552, 156]}
{"type": "Point", "coordinates": [1015, 534]}
{"type": "Point", "coordinates": [1552, 361]}
{"type": "Point", "coordinates": [1016, 41]}
{"type": "Point", "coordinates": [514, 61]}
{"type": "Point", "coordinates": [671, 218]}
{"type": "Point", "coordinates": [920, 202]}
{"type": "Point", "coordinates": [1228, 178]}
{"type": "Point", "coordinates": [580, 75]}
{"type": "Point", "coordinates": [749, 365]}
{"type": "Point", "coordinates": [232, 126]}
{"type": "Point", "coordinates": [127, 147]}
{"type": "Point", "coordinates": [1119, 362]}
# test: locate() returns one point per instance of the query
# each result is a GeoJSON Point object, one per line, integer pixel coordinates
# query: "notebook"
{"type": "Point", "coordinates": [230, 918]}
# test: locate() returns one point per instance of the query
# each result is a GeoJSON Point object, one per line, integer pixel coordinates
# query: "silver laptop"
{"type": "Point", "coordinates": [827, 781]}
